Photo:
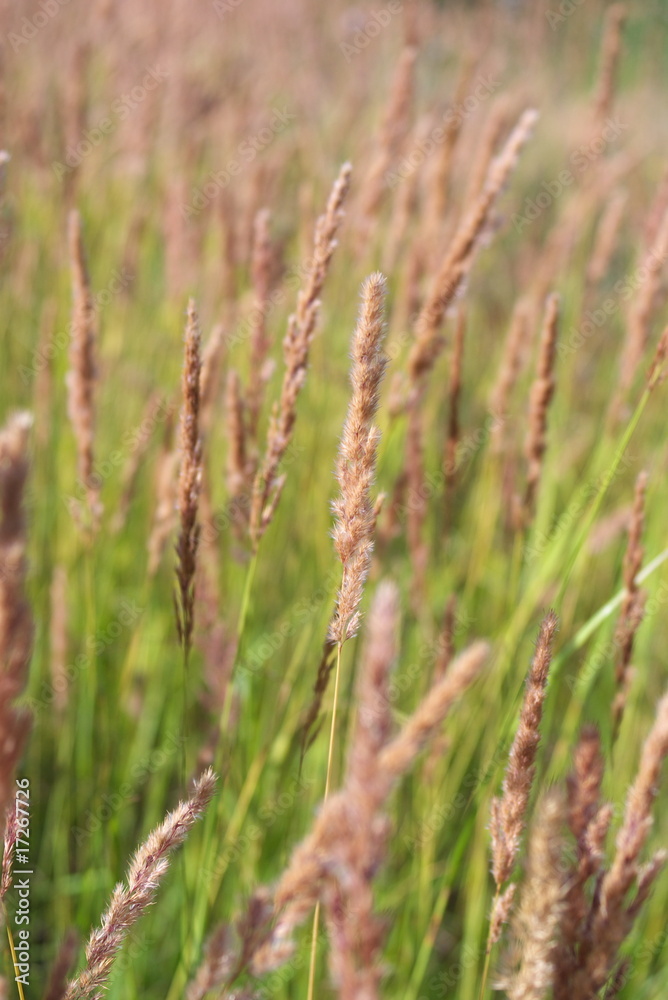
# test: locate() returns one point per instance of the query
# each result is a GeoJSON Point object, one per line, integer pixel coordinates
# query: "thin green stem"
{"type": "Point", "coordinates": [328, 780]}
{"type": "Point", "coordinates": [213, 817]}
{"type": "Point", "coordinates": [19, 984]}
{"type": "Point", "coordinates": [488, 951]}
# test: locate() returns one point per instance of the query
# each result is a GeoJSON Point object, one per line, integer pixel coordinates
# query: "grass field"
{"type": "Point", "coordinates": [186, 151]}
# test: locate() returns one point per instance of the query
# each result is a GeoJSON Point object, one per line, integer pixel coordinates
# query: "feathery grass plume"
{"type": "Point", "coordinates": [605, 240]}
{"type": "Point", "coordinates": [302, 324]}
{"type": "Point", "coordinates": [236, 436]}
{"type": "Point", "coordinates": [657, 211]}
{"type": "Point", "coordinates": [337, 859]}
{"type": "Point", "coordinates": [58, 639]}
{"type": "Point", "coordinates": [584, 785]}
{"type": "Point", "coordinates": [179, 239]}
{"type": "Point", "coordinates": [209, 556]}
{"type": "Point", "coordinates": [439, 181]}
{"type": "Point", "coordinates": [75, 107]}
{"type": "Point", "coordinates": [5, 157]}
{"type": "Point", "coordinates": [404, 209]}
{"type": "Point", "coordinates": [325, 855]}
{"type": "Point", "coordinates": [459, 259]}
{"type": "Point", "coordinates": [156, 409]}
{"type": "Point", "coordinates": [407, 308]}
{"type": "Point", "coordinates": [356, 933]}
{"type": "Point", "coordinates": [452, 439]}
{"type": "Point", "coordinates": [640, 314]}
{"type": "Point", "coordinates": [190, 477]}
{"type": "Point", "coordinates": [508, 812]}
{"type": "Point", "coordinates": [610, 52]}
{"type": "Point", "coordinates": [210, 378]}
{"type": "Point", "coordinates": [82, 372]}
{"type": "Point", "coordinates": [446, 639]}
{"type": "Point", "coordinates": [633, 604]}
{"type": "Point", "coordinates": [378, 505]}
{"type": "Point", "coordinates": [608, 529]}
{"type": "Point", "coordinates": [417, 507]}
{"type": "Point", "coordinates": [216, 966]}
{"type": "Point", "coordinates": [512, 361]}
{"type": "Point", "coordinates": [16, 625]}
{"type": "Point", "coordinates": [262, 263]}
{"type": "Point", "coordinates": [164, 517]}
{"type": "Point", "coordinates": [392, 134]}
{"type": "Point", "coordinates": [536, 924]}
{"type": "Point", "coordinates": [356, 466]}
{"type": "Point", "coordinates": [230, 255]}
{"type": "Point", "coordinates": [310, 726]}
{"type": "Point", "coordinates": [374, 717]}
{"type": "Point", "coordinates": [423, 725]}
{"type": "Point", "coordinates": [128, 902]}
{"type": "Point", "coordinates": [218, 645]}
{"type": "Point", "coordinates": [43, 394]}
{"type": "Point", "coordinates": [612, 915]}
{"type": "Point", "coordinates": [643, 304]}
{"type": "Point", "coordinates": [637, 820]}
{"type": "Point", "coordinates": [618, 980]}
{"type": "Point", "coordinates": [60, 970]}
{"type": "Point", "coordinates": [445, 651]}
{"type": "Point", "coordinates": [542, 391]}
{"type": "Point", "coordinates": [494, 125]}
{"type": "Point", "coordinates": [656, 373]}
{"type": "Point", "coordinates": [588, 822]}
{"type": "Point", "coordinates": [9, 845]}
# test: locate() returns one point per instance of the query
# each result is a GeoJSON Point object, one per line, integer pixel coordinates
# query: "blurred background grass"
{"type": "Point", "coordinates": [106, 766]}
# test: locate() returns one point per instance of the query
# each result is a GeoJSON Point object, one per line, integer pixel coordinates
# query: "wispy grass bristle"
{"type": "Point", "coordinates": [130, 900]}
